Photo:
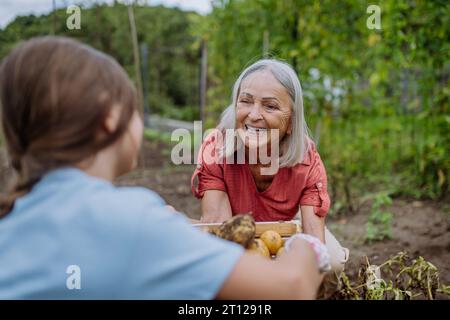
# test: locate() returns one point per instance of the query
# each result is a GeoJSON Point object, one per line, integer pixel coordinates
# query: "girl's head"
{"type": "Point", "coordinates": [62, 103]}
{"type": "Point", "coordinates": [268, 95]}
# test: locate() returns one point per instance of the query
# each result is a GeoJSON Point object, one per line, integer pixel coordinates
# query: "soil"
{"type": "Point", "coordinates": [421, 228]}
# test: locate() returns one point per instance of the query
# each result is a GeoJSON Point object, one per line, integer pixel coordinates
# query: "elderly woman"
{"type": "Point", "coordinates": [233, 178]}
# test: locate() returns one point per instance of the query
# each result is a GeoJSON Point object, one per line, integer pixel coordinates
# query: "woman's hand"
{"type": "Point", "coordinates": [313, 224]}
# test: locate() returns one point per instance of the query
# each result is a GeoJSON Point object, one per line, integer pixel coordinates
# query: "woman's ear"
{"type": "Point", "coordinates": [112, 120]}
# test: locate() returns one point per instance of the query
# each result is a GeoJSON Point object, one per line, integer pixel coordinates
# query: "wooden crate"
{"type": "Point", "coordinates": [284, 228]}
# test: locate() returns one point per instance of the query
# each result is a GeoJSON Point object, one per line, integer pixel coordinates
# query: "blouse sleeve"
{"type": "Point", "coordinates": [209, 172]}
{"type": "Point", "coordinates": [315, 193]}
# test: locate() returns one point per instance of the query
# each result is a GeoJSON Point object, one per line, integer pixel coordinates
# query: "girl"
{"type": "Point", "coordinates": [71, 125]}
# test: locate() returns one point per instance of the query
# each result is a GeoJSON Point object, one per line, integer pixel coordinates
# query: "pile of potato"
{"type": "Point", "coordinates": [241, 229]}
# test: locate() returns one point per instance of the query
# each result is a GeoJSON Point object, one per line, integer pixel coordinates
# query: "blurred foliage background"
{"type": "Point", "coordinates": [376, 101]}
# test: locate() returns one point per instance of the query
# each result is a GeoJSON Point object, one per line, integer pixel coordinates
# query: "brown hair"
{"type": "Point", "coordinates": [55, 93]}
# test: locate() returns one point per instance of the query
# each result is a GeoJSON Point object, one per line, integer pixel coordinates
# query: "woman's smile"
{"type": "Point", "coordinates": [263, 106]}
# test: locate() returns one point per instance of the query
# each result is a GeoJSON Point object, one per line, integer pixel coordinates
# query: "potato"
{"type": "Point", "coordinates": [259, 247]}
{"type": "Point", "coordinates": [280, 251]}
{"type": "Point", "coordinates": [272, 240]}
{"type": "Point", "coordinates": [240, 229]}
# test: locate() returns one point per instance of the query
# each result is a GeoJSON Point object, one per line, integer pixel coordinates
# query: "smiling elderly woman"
{"type": "Point", "coordinates": [267, 114]}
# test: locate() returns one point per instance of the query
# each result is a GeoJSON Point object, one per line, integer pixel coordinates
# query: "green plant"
{"type": "Point", "coordinates": [388, 126]}
{"type": "Point", "coordinates": [378, 226]}
{"type": "Point", "coordinates": [399, 278]}
{"type": "Point", "coordinates": [154, 135]}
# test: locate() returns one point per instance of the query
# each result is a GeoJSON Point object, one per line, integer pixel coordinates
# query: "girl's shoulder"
{"type": "Point", "coordinates": [76, 191]}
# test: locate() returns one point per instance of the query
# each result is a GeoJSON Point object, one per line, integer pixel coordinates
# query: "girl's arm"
{"type": "Point", "coordinates": [312, 224]}
{"type": "Point", "coordinates": [294, 275]}
{"type": "Point", "coordinates": [215, 206]}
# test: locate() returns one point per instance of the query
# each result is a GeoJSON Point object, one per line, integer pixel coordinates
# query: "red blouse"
{"type": "Point", "coordinates": [303, 184]}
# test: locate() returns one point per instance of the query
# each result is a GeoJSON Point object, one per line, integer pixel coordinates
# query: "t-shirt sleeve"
{"type": "Point", "coordinates": [315, 192]}
{"type": "Point", "coordinates": [171, 259]}
{"type": "Point", "coordinates": [209, 172]}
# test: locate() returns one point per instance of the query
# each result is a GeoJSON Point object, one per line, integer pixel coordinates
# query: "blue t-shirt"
{"type": "Point", "coordinates": [75, 236]}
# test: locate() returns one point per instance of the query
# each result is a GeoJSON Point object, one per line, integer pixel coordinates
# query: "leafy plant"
{"type": "Point", "coordinates": [378, 226]}
{"type": "Point", "coordinates": [380, 117]}
{"type": "Point", "coordinates": [399, 278]}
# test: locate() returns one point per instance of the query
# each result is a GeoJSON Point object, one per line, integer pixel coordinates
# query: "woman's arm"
{"type": "Point", "coordinates": [215, 206]}
{"type": "Point", "coordinates": [294, 275]}
{"type": "Point", "coordinates": [312, 224]}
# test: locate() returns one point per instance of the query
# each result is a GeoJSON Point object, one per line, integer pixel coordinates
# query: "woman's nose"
{"type": "Point", "coordinates": [255, 113]}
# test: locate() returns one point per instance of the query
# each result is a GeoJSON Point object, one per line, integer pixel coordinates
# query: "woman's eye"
{"type": "Point", "coordinates": [271, 107]}
{"type": "Point", "coordinates": [244, 101]}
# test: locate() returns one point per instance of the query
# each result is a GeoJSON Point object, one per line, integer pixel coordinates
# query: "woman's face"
{"type": "Point", "coordinates": [263, 104]}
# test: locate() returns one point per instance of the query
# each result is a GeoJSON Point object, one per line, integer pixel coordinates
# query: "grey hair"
{"type": "Point", "coordinates": [295, 146]}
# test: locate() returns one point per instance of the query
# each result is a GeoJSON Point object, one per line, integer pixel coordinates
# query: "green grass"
{"type": "Point", "coordinates": [398, 155]}
{"type": "Point", "coordinates": [154, 135]}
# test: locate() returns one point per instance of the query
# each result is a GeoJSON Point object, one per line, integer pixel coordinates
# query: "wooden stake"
{"type": "Point", "coordinates": [137, 63]}
{"type": "Point", "coordinates": [203, 78]}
